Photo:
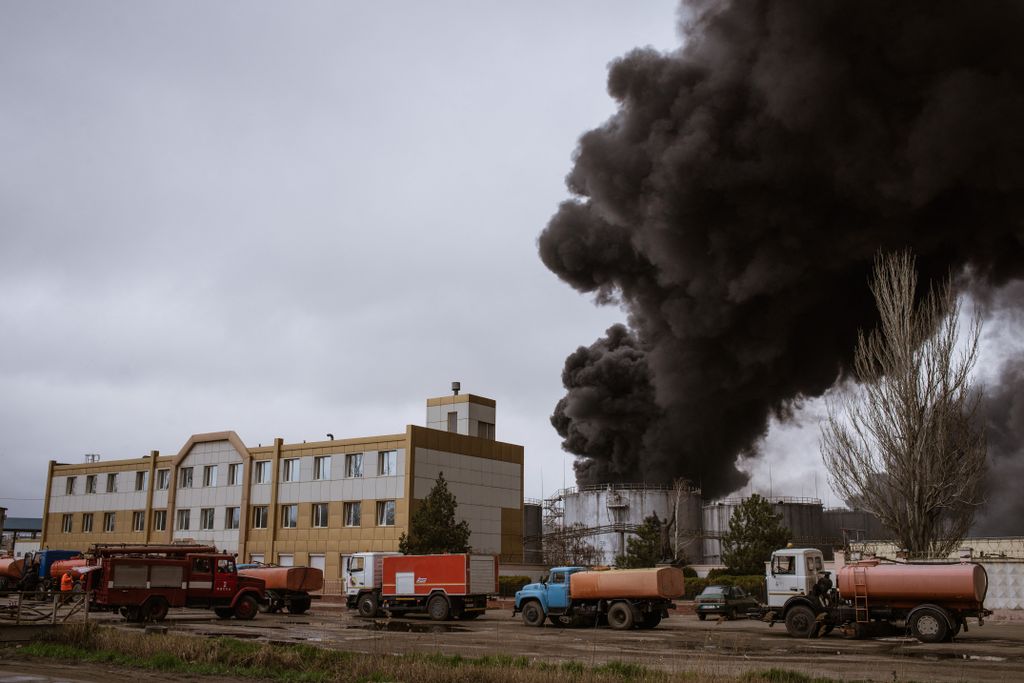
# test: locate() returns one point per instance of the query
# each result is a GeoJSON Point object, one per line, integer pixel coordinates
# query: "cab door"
{"type": "Point", "coordinates": [225, 579]}
{"type": "Point", "coordinates": [558, 591]}
{"type": "Point", "coordinates": [200, 578]}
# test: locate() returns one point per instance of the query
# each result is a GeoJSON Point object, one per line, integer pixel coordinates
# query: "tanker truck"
{"type": "Point", "coordinates": [625, 598]}
{"type": "Point", "coordinates": [286, 587]}
{"type": "Point", "coordinates": [871, 597]}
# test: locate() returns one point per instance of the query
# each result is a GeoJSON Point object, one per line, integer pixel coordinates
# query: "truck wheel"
{"type": "Point", "coordinates": [651, 620]}
{"type": "Point", "coordinates": [367, 605]}
{"type": "Point", "coordinates": [437, 608]}
{"type": "Point", "coordinates": [929, 625]}
{"type": "Point", "coordinates": [800, 621]}
{"type": "Point", "coordinates": [223, 612]}
{"type": "Point", "coordinates": [246, 608]}
{"type": "Point", "coordinates": [620, 616]}
{"type": "Point", "coordinates": [156, 609]}
{"type": "Point", "coordinates": [533, 615]}
{"type": "Point", "coordinates": [701, 616]}
{"type": "Point", "coordinates": [299, 606]}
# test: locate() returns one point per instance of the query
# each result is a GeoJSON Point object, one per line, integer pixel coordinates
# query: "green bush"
{"type": "Point", "coordinates": [690, 572]}
{"type": "Point", "coordinates": [508, 585]}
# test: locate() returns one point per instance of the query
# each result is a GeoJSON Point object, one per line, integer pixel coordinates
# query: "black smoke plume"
{"type": "Point", "coordinates": [734, 203]}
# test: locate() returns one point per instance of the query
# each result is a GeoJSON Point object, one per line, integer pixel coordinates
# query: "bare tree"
{"type": "Point", "coordinates": [570, 547]}
{"type": "Point", "coordinates": [906, 446]}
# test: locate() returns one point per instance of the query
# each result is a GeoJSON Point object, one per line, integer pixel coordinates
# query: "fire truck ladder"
{"type": "Point", "coordinates": [860, 595]}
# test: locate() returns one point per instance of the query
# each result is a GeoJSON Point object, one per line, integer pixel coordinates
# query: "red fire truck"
{"type": "Point", "coordinates": [143, 581]}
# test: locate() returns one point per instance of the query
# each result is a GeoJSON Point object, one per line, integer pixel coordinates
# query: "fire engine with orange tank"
{"type": "Point", "coordinates": [442, 586]}
{"type": "Point", "coordinates": [624, 598]}
{"type": "Point", "coordinates": [870, 597]}
{"type": "Point", "coordinates": [143, 581]}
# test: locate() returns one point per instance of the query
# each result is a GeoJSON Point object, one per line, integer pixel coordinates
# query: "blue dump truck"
{"type": "Point", "coordinates": [622, 598]}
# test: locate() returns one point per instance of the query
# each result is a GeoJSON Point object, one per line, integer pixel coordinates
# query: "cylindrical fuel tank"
{"type": "Point", "coordinates": [658, 582]}
{"type": "Point", "coordinates": [11, 568]}
{"type": "Point", "coordinates": [58, 568]}
{"type": "Point", "coordinates": [944, 583]}
{"type": "Point", "coordinates": [299, 579]}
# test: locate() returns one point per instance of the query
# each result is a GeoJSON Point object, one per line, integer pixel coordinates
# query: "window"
{"type": "Point", "coordinates": [163, 479]}
{"type": "Point", "coordinates": [352, 511]}
{"type": "Point", "coordinates": [256, 558]}
{"type": "Point", "coordinates": [485, 430]}
{"type": "Point", "coordinates": [234, 474]}
{"type": "Point", "coordinates": [140, 481]}
{"type": "Point", "coordinates": [138, 521]}
{"type": "Point", "coordinates": [784, 564]}
{"type": "Point", "coordinates": [87, 522]}
{"type": "Point", "coordinates": [259, 517]}
{"type": "Point", "coordinates": [185, 478]}
{"type": "Point", "coordinates": [453, 422]}
{"type": "Point", "coordinates": [183, 519]}
{"type": "Point", "coordinates": [69, 486]}
{"type": "Point", "coordinates": [322, 467]}
{"type": "Point", "coordinates": [286, 560]}
{"type": "Point", "coordinates": [66, 523]}
{"type": "Point", "coordinates": [289, 516]}
{"type": "Point", "coordinates": [231, 518]}
{"type": "Point", "coordinates": [320, 515]}
{"type": "Point", "coordinates": [159, 520]}
{"type": "Point", "coordinates": [206, 519]}
{"type": "Point", "coordinates": [354, 465]}
{"type": "Point", "coordinates": [387, 463]}
{"type": "Point", "coordinates": [291, 469]}
{"type": "Point", "coordinates": [210, 475]}
{"type": "Point", "coordinates": [111, 483]}
{"type": "Point", "coordinates": [90, 483]}
{"type": "Point", "coordinates": [385, 513]}
{"type": "Point", "coordinates": [262, 471]}
{"type": "Point", "coordinates": [109, 520]}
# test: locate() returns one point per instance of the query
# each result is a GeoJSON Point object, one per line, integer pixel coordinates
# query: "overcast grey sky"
{"type": "Point", "coordinates": [289, 219]}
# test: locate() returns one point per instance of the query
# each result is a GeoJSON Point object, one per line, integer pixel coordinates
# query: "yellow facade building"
{"type": "Point", "coordinates": [302, 504]}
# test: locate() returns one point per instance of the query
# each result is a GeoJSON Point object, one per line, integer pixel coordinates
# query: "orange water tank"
{"type": "Point", "coordinates": [11, 569]}
{"type": "Point", "coordinates": [954, 585]}
{"type": "Point", "coordinates": [658, 582]}
{"type": "Point", "coordinates": [58, 568]}
{"type": "Point", "coordinates": [298, 579]}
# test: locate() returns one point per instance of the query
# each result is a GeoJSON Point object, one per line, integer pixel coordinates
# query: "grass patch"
{"type": "Point", "coordinates": [230, 657]}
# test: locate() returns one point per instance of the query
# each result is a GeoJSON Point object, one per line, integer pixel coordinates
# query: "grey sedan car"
{"type": "Point", "coordinates": [730, 601]}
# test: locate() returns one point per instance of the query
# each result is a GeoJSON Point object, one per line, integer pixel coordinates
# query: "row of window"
{"type": "Point", "coordinates": [387, 465]}
{"type": "Point", "coordinates": [351, 517]}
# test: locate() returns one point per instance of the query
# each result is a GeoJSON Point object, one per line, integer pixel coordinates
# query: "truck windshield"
{"type": "Point", "coordinates": [558, 577]}
{"type": "Point", "coordinates": [784, 564]}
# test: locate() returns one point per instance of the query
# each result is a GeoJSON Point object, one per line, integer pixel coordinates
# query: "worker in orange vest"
{"type": "Point", "coordinates": [67, 585]}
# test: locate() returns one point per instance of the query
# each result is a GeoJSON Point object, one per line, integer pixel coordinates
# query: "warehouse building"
{"type": "Point", "coordinates": [301, 503]}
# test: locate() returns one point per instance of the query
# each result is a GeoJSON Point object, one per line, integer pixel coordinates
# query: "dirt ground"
{"type": "Point", "coordinates": [994, 652]}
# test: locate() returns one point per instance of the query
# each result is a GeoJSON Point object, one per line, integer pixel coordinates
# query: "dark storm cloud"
{"type": "Point", "coordinates": [735, 201]}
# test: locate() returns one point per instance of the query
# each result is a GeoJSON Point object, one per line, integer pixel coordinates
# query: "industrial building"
{"type": "Point", "coordinates": [299, 503]}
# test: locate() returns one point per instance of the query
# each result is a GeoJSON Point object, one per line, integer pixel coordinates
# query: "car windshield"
{"type": "Point", "coordinates": [711, 592]}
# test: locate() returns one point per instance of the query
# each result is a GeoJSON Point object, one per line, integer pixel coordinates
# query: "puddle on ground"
{"type": "Point", "coordinates": [936, 656]}
{"type": "Point", "coordinates": [216, 634]}
{"type": "Point", "coordinates": [408, 627]}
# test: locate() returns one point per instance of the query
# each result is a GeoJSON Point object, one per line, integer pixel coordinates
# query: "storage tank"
{"type": "Point", "coordinates": [533, 532]}
{"type": "Point", "coordinates": [907, 585]}
{"type": "Point", "coordinates": [802, 516]}
{"type": "Point", "coordinates": [659, 582]}
{"type": "Point", "coordinates": [296, 579]}
{"type": "Point", "coordinates": [611, 512]}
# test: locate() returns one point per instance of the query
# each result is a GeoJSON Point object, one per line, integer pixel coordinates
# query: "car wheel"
{"type": "Point", "coordinates": [533, 615]}
{"type": "Point", "coordinates": [701, 616]}
{"type": "Point", "coordinates": [620, 616]}
{"type": "Point", "coordinates": [800, 621]}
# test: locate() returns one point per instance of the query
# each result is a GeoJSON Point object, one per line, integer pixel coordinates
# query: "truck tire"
{"type": "Point", "coordinates": [437, 608]}
{"type": "Point", "coordinates": [533, 615]}
{"type": "Point", "coordinates": [800, 621]}
{"type": "Point", "coordinates": [155, 609]}
{"type": "Point", "coordinates": [650, 620]}
{"type": "Point", "coordinates": [224, 612]}
{"type": "Point", "coordinates": [620, 616]}
{"type": "Point", "coordinates": [367, 605]}
{"type": "Point", "coordinates": [299, 605]}
{"type": "Point", "coordinates": [246, 608]}
{"type": "Point", "coordinates": [929, 625]}
{"type": "Point", "coordinates": [701, 616]}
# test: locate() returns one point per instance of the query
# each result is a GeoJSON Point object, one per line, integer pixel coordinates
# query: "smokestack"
{"type": "Point", "coordinates": [734, 203]}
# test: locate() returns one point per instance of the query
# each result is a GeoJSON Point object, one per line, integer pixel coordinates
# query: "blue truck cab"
{"type": "Point", "coordinates": [552, 595]}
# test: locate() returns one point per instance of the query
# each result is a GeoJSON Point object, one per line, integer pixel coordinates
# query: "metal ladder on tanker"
{"type": "Point", "coordinates": [860, 595]}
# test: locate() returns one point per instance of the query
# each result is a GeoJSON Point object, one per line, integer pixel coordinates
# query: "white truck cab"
{"type": "Point", "coordinates": [792, 571]}
{"type": "Point", "coordinates": [362, 571]}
